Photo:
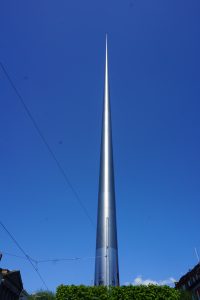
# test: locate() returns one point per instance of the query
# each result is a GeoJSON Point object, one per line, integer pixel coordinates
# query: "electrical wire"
{"type": "Point", "coordinates": [24, 253]}
{"type": "Point", "coordinates": [54, 260]}
{"type": "Point", "coordinates": [18, 256]}
{"type": "Point", "coordinates": [66, 259]}
{"type": "Point", "coordinates": [67, 181]}
{"type": "Point", "coordinates": [61, 169]}
{"type": "Point", "coordinates": [14, 255]}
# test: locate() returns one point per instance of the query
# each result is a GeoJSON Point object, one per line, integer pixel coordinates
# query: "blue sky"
{"type": "Point", "coordinates": [54, 51]}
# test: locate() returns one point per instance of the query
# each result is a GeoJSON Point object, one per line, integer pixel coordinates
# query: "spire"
{"type": "Point", "coordinates": [106, 265]}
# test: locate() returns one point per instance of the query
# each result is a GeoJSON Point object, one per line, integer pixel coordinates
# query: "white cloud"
{"type": "Point", "coordinates": [140, 281]}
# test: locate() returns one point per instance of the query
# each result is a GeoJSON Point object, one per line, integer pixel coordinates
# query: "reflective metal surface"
{"type": "Point", "coordinates": [106, 264]}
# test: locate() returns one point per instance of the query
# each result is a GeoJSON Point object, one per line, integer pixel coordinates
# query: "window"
{"type": "Point", "coordinates": [183, 287]}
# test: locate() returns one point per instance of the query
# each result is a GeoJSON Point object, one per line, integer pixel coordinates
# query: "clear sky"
{"type": "Point", "coordinates": [54, 51]}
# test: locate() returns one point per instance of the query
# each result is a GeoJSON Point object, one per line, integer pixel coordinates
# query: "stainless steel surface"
{"type": "Point", "coordinates": [106, 264]}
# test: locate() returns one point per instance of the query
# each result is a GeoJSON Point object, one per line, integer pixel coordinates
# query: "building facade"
{"type": "Point", "coordinates": [11, 286]}
{"type": "Point", "coordinates": [190, 282]}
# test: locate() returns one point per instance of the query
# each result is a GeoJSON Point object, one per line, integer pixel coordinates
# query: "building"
{"type": "Point", "coordinates": [106, 261]}
{"type": "Point", "coordinates": [190, 282]}
{"type": "Point", "coordinates": [11, 286]}
{"type": "Point", "coordinates": [24, 295]}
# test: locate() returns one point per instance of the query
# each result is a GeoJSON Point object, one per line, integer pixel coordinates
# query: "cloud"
{"type": "Point", "coordinates": [140, 281]}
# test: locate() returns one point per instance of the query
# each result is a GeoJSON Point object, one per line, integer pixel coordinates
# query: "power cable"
{"type": "Point", "coordinates": [55, 260]}
{"type": "Point", "coordinates": [14, 255]}
{"type": "Point", "coordinates": [62, 171]}
{"type": "Point", "coordinates": [27, 256]}
{"type": "Point", "coordinates": [17, 256]}
{"type": "Point", "coordinates": [67, 259]}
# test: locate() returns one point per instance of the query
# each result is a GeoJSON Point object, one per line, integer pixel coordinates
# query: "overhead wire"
{"type": "Point", "coordinates": [66, 259]}
{"type": "Point", "coordinates": [63, 173]}
{"type": "Point", "coordinates": [51, 152]}
{"type": "Point", "coordinates": [54, 260]}
{"type": "Point", "coordinates": [25, 254]}
{"type": "Point", "coordinates": [17, 256]}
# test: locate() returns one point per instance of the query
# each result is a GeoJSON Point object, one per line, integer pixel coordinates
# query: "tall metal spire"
{"type": "Point", "coordinates": [106, 264]}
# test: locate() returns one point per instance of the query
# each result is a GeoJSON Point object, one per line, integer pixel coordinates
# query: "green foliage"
{"type": "Point", "coordinates": [150, 292]}
{"type": "Point", "coordinates": [42, 295]}
{"type": "Point", "coordinates": [186, 296]}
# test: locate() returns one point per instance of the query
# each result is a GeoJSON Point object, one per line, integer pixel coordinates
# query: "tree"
{"type": "Point", "coordinates": [42, 295]}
